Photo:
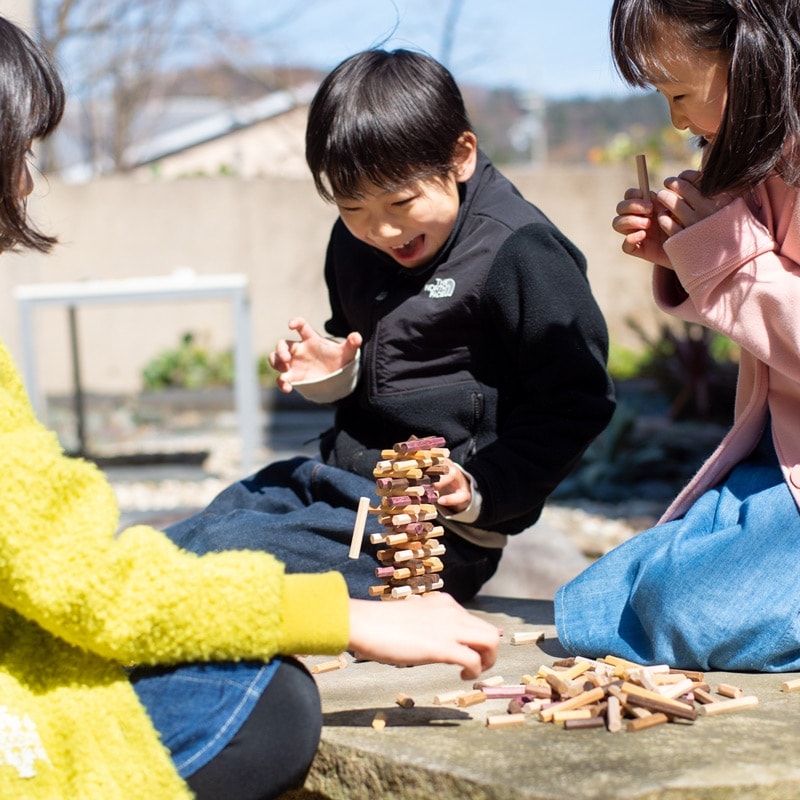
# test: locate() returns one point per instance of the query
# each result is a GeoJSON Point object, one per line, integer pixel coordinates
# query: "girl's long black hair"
{"type": "Point", "coordinates": [760, 129]}
{"type": "Point", "coordinates": [31, 105]}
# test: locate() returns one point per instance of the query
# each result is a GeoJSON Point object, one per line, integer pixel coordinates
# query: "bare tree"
{"type": "Point", "coordinates": [120, 56]}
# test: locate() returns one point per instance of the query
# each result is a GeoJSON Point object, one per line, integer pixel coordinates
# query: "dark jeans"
{"type": "Point", "coordinates": [303, 512]}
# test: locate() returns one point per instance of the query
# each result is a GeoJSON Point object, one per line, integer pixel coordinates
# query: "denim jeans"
{"type": "Point", "coordinates": [717, 589]}
{"type": "Point", "coordinates": [303, 512]}
{"type": "Point", "coordinates": [198, 708]}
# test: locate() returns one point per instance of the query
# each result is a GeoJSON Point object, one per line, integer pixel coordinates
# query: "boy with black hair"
{"type": "Point", "coordinates": [458, 310]}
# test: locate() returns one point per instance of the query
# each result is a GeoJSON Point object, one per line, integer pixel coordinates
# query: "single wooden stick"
{"type": "Point", "coordinates": [503, 692]}
{"type": "Point", "coordinates": [704, 696]}
{"type": "Point", "coordinates": [727, 690]}
{"type": "Point", "coordinates": [379, 721]}
{"type": "Point", "coordinates": [404, 701]}
{"type": "Point", "coordinates": [663, 706]}
{"type": "Point", "coordinates": [494, 680]}
{"type": "Point", "coordinates": [504, 720]}
{"type": "Point", "coordinates": [614, 715]}
{"type": "Point", "coordinates": [527, 637]}
{"type": "Point", "coordinates": [358, 528]}
{"type": "Point", "coordinates": [646, 722]}
{"type": "Point", "coordinates": [573, 713]}
{"type": "Point", "coordinates": [644, 181]}
{"type": "Point", "coordinates": [724, 706]}
{"type": "Point", "coordinates": [583, 724]}
{"type": "Point", "coordinates": [471, 698]}
{"type": "Point", "coordinates": [447, 697]}
{"type": "Point", "coordinates": [328, 666]}
{"type": "Point", "coordinates": [656, 702]}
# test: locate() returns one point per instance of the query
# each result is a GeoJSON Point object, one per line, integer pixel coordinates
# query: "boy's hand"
{"type": "Point", "coordinates": [454, 488]}
{"type": "Point", "coordinates": [635, 221]}
{"type": "Point", "coordinates": [427, 630]}
{"type": "Point", "coordinates": [312, 357]}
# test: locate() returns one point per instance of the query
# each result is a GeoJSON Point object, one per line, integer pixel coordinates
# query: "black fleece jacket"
{"type": "Point", "coordinates": [497, 345]}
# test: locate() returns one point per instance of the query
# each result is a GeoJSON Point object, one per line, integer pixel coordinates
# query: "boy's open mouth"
{"type": "Point", "coordinates": [410, 250]}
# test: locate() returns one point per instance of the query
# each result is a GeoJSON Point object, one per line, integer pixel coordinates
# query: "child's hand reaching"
{"type": "Point", "coordinates": [312, 357]}
{"type": "Point", "coordinates": [454, 488]}
{"type": "Point", "coordinates": [429, 629]}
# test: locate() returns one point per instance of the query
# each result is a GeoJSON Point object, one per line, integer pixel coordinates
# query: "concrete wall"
{"type": "Point", "coordinates": [274, 230]}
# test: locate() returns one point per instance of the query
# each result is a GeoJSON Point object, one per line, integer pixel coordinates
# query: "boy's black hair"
{"type": "Point", "coordinates": [385, 118]}
{"type": "Point", "coordinates": [760, 129]}
{"type": "Point", "coordinates": [31, 105]}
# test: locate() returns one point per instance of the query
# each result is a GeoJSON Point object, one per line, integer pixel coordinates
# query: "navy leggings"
{"type": "Point", "coordinates": [273, 750]}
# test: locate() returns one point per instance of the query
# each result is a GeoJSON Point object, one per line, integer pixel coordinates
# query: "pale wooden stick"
{"type": "Point", "coordinates": [471, 698]}
{"type": "Point", "coordinates": [495, 680]}
{"type": "Point", "coordinates": [644, 181]}
{"type": "Point", "coordinates": [504, 720]}
{"type": "Point", "coordinates": [724, 706]}
{"type": "Point", "coordinates": [790, 686]}
{"type": "Point", "coordinates": [358, 528]}
{"type": "Point", "coordinates": [328, 666]}
{"type": "Point", "coordinates": [526, 637]}
{"type": "Point", "coordinates": [404, 701]}
{"type": "Point", "coordinates": [448, 697]}
{"type": "Point", "coordinates": [614, 715]}
{"type": "Point", "coordinates": [379, 721]}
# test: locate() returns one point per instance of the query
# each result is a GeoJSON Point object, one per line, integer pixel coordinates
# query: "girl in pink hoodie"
{"type": "Point", "coordinates": [716, 584]}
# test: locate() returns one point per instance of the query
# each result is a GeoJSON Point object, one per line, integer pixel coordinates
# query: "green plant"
{"type": "Point", "coordinates": [188, 366]}
{"type": "Point", "coordinates": [695, 367]}
{"type": "Point", "coordinates": [624, 363]}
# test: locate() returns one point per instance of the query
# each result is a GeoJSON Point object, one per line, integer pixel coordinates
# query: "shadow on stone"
{"type": "Point", "coordinates": [419, 716]}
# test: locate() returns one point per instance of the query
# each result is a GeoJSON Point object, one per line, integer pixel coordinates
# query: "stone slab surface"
{"type": "Point", "coordinates": [444, 751]}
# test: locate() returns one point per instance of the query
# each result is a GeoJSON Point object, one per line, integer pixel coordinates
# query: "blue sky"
{"type": "Point", "coordinates": [557, 48]}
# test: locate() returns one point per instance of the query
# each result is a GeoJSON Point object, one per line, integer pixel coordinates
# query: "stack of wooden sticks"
{"type": "Point", "coordinates": [404, 481]}
{"type": "Point", "coordinates": [609, 693]}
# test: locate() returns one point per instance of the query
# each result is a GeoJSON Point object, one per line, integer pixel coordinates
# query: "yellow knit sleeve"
{"type": "Point", "coordinates": [315, 614]}
{"type": "Point", "coordinates": [137, 597]}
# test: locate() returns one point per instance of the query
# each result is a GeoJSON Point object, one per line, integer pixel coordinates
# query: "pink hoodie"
{"type": "Point", "coordinates": [738, 272]}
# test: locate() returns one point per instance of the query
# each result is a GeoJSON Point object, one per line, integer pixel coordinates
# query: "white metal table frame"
{"type": "Point", "coordinates": [182, 285]}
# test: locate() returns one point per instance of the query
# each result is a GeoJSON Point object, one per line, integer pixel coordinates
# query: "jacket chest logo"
{"type": "Point", "coordinates": [442, 287]}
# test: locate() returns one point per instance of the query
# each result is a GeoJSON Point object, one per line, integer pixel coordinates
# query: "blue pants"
{"type": "Point", "coordinates": [303, 512]}
{"type": "Point", "coordinates": [717, 589]}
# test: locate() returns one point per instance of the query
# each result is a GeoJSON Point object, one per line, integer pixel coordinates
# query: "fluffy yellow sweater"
{"type": "Point", "coordinates": [76, 602]}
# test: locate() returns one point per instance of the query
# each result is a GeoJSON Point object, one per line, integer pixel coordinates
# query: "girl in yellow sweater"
{"type": "Point", "coordinates": [211, 708]}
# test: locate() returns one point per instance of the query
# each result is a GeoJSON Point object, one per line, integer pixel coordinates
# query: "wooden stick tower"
{"type": "Point", "coordinates": [410, 563]}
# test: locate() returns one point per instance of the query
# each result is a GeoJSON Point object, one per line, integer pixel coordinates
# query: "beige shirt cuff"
{"type": "Point", "coordinates": [334, 386]}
